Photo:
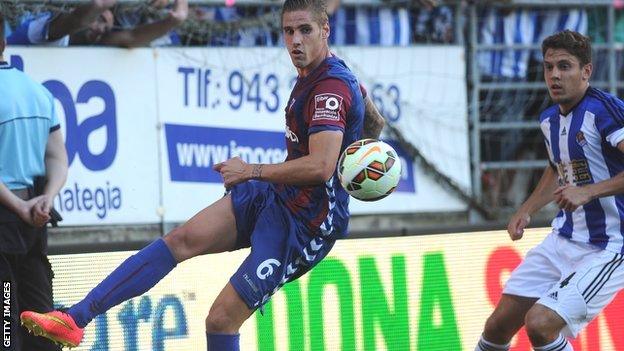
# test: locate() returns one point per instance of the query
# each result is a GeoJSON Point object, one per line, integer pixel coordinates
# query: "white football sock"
{"type": "Point", "coordinates": [560, 344]}
{"type": "Point", "coordinates": [485, 345]}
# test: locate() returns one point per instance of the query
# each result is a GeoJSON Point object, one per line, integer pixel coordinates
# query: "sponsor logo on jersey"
{"type": "Point", "coordinates": [575, 172]}
{"type": "Point", "coordinates": [327, 106]}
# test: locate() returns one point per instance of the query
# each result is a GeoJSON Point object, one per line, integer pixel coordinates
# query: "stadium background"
{"type": "Point", "coordinates": [422, 269]}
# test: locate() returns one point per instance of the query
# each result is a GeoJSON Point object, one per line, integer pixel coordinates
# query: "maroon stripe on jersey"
{"type": "Point", "coordinates": [304, 83]}
{"type": "Point", "coordinates": [318, 220]}
{"type": "Point", "coordinates": [314, 75]}
{"type": "Point", "coordinates": [301, 201]}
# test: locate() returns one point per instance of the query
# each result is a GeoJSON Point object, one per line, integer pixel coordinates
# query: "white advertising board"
{"type": "Point", "coordinates": [105, 100]}
{"type": "Point", "coordinates": [216, 104]}
{"type": "Point", "coordinates": [144, 127]}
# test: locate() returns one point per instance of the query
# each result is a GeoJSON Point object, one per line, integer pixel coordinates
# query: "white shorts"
{"type": "Point", "coordinates": [576, 280]}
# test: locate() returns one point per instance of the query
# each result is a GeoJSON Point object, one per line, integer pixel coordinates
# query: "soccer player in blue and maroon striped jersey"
{"type": "Point", "coordinates": [290, 213]}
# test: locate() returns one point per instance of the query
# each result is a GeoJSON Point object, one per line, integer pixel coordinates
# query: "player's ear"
{"type": "Point", "coordinates": [325, 30]}
{"type": "Point", "coordinates": [587, 71]}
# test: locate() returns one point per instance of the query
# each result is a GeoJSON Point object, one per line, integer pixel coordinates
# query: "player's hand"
{"type": "Point", "coordinates": [180, 10]}
{"type": "Point", "coordinates": [41, 209]}
{"type": "Point", "coordinates": [233, 171]}
{"type": "Point", "coordinates": [27, 214]}
{"type": "Point", "coordinates": [570, 197]}
{"type": "Point", "coordinates": [516, 225]}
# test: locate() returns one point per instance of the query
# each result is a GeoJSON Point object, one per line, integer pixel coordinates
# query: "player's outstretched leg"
{"type": "Point", "coordinates": [227, 314]}
{"type": "Point", "coordinates": [211, 230]}
{"type": "Point", "coordinates": [504, 323]}
{"type": "Point", "coordinates": [133, 277]}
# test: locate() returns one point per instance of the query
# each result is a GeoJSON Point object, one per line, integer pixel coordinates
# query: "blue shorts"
{"type": "Point", "coordinates": [282, 249]}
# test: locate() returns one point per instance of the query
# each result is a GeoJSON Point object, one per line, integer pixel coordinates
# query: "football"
{"type": "Point", "coordinates": [369, 169]}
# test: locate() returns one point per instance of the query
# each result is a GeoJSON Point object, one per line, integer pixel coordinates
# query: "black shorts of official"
{"type": "Point", "coordinates": [30, 277]}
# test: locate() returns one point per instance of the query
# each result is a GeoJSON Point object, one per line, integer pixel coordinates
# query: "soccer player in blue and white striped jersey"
{"type": "Point", "coordinates": [570, 277]}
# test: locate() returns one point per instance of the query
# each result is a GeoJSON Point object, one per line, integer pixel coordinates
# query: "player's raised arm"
{"type": "Point", "coordinates": [321, 118]}
{"type": "Point", "coordinates": [315, 168]}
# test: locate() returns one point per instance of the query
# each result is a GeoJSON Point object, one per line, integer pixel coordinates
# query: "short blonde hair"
{"type": "Point", "coordinates": [318, 8]}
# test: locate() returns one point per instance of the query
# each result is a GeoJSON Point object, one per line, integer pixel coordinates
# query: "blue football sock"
{"type": "Point", "coordinates": [136, 275]}
{"type": "Point", "coordinates": [222, 342]}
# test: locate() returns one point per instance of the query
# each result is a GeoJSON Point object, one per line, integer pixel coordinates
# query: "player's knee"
{"type": "Point", "coordinates": [178, 242]}
{"type": "Point", "coordinates": [218, 321]}
{"type": "Point", "coordinates": [542, 325]}
{"type": "Point", "coordinates": [498, 329]}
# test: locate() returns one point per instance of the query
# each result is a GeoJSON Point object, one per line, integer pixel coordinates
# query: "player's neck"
{"type": "Point", "coordinates": [303, 72]}
{"type": "Point", "coordinates": [565, 109]}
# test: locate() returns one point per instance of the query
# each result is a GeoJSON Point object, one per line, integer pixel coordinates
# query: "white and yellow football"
{"type": "Point", "coordinates": [369, 169]}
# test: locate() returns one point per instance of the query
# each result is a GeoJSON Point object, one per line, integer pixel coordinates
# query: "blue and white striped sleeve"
{"type": "Point", "coordinates": [611, 125]}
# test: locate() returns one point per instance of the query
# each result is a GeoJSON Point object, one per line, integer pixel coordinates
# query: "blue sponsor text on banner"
{"type": "Point", "coordinates": [194, 150]}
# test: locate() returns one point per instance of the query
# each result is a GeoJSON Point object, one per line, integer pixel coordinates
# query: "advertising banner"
{"type": "Point", "coordinates": [144, 127]}
{"type": "Point", "coordinates": [217, 104]}
{"type": "Point", "coordinates": [421, 293]}
{"type": "Point", "coordinates": [420, 90]}
{"type": "Point", "coordinates": [105, 100]}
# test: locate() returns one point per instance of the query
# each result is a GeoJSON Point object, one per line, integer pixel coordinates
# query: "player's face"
{"type": "Point", "coordinates": [305, 39]}
{"type": "Point", "coordinates": [565, 78]}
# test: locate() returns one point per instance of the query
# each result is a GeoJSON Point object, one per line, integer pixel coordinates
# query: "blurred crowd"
{"type": "Point", "coordinates": [393, 23]}
{"type": "Point", "coordinates": [174, 22]}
